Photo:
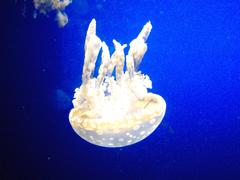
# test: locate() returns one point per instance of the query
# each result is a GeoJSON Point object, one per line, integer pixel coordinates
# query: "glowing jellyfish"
{"type": "Point", "coordinates": [115, 112]}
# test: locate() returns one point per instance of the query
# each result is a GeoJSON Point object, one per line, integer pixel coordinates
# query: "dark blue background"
{"type": "Point", "coordinates": [193, 60]}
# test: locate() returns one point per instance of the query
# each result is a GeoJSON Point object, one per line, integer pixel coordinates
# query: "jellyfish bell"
{"type": "Point", "coordinates": [112, 129]}
{"type": "Point", "coordinates": [115, 112]}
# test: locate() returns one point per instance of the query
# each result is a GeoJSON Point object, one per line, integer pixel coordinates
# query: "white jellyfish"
{"type": "Point", "coordinates": [115, 112]}
{"type": "Point", "coordinates": [45, 6]}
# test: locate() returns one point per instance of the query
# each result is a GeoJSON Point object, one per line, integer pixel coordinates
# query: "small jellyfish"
{"type": "Point", "coordinates": [115, 110]}
{"type": "Point", "coordinates": [45, 6]}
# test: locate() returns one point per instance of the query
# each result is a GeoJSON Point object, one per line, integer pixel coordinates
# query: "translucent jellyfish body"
{"type": "Point", "coordinates": [115, 111]}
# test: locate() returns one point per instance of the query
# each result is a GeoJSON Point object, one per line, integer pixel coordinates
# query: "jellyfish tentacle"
{"type": "Point", "coordinates": [130, 65]}
{"type": "Point", "coordinates": [119, 58]}
{"type": "Point", "coordinates": [138, 46]}
{"type": "Point", "coordinates": [92, 47]}
{"type": "Point", "coordinates": [145, 31]}
{"type": "Point", "coordinates": [91, 31]}
{"type": "Point", "coordinates": [62, 18]}
{"type": "Point", "coordinates": [104, 65]}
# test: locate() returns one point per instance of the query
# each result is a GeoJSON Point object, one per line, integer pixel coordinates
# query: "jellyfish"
{"type": "Point", "coordinates": [45, 6]}
{"type": "Point", "coordinates": [115, 109]}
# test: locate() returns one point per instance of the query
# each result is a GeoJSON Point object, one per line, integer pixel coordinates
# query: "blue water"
{"type": "Point", "coordinates": [193, 59]}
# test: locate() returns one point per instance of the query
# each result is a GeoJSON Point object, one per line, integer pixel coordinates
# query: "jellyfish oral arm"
{"type": "Point", "coordinates": [115, 111]}
{"type": "Point", "coordinates": [138, 46]}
